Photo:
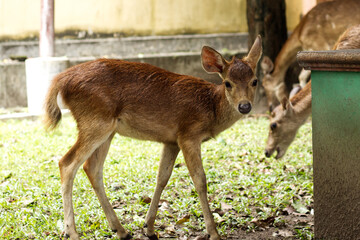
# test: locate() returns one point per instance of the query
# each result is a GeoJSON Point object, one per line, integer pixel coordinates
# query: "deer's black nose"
{"type": "Point", "coordinates": [244, 108]}
{"type": "Point", "coordinates": [267, 154]}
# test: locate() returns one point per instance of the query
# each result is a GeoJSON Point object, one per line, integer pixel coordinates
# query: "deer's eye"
{"type": "Point", "coordinates": [273, 126]}
{"type": "Point", "coordinates": [254, 83]}
{"type": "Point", "coordinates": [228, 85]}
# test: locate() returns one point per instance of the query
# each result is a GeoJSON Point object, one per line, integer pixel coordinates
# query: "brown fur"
{"type": "Point", "coordinates": [142, 101]}
{"type": "Point", "coordinates": [291, 117]}
{"type": "Point", "coordinates": [288, 117]}
{"type": "Point", "coordinates": [123, 90]}
{"type": "Point", "coordinates": [318, 30]}
{"type": "Point", "coordinates": [298, 98]}
{"type": "Point", "coordinates": [350, 39]}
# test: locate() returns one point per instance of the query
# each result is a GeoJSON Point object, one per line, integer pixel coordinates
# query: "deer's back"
{"type": "Point", "coordinates": [322, 26]}
{"type": "Point", "coordinates": [145, 100]}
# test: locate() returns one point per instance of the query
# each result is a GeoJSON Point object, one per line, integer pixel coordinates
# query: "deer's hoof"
{"type": "Point", "coordinates": [71, 237]}
{"type": "Point", "coordinates": [153, 237]}
{"type": "Point", "coordinates": [128, 237]}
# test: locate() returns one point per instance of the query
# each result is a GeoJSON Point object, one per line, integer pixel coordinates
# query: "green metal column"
{"type": "Point", "coordinates": [336, 141]}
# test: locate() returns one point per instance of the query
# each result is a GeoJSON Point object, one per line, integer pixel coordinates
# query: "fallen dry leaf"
{"type": "Point", "coordinates": [145, 199]}
{"type": "Point", "coordinates": [164, 205]}
{"type": "Point", "coordinates": [288, 210]}
{"type": "Point", "coordinates": [300, 207]}
{"type": "Point", "coordinates": [229, 197]}
{"type": "Point", "coordinates": [183, 220]}
{"type": "Point", "coordinates": [161, 201]}
{"type": "Point", "coordinates": [218, 218]}
{"type": "Point", "coordinates": [117, 204]}
{"type": "Point", "coordinates": [118, 187]}
{"type": "Point", "coordinates": [283, 233]}
{"type": "Point", "coordinates": [219, 211]}
{"type": "Point", "coordinates": [170, 230]}
{"type": "Point", "coordinates": [263, 223]}
{"type": "Point", "coordinates": [206, 237]}
{"type": "Point", "coordinates": [226, 207]}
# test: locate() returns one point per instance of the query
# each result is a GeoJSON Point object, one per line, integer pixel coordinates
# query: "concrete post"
{"type": "Point", "coordinates": [39, 73]}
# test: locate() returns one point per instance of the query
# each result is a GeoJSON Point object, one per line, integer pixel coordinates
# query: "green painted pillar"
{"type": "Point", "coordinates": [336, 141]}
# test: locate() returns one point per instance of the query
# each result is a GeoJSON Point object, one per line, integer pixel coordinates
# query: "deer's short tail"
{"type": "Point", "coordinates": [52, 110]}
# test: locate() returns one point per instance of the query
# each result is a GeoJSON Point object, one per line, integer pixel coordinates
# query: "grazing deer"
{"type": "Point", "coordinates": [350, 39]}
{"type": "Point", "coordinates": [318, 30]}
{"type": "Point", "coordinates": [145, 102]}
{"type": "Point", "coordinates": [287, 118]}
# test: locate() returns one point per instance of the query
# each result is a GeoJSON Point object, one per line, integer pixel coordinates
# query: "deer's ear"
{"type": "Point", "coordinates": [267, 65]}
{"type": "Point", "coordinates": [285, 103]}
{"type": "Point", "coordinates": [212, 61]}
{"type": "Point", "coordinates": [287, 106]}
{"type": "Point", "coordinates": [255, 53]}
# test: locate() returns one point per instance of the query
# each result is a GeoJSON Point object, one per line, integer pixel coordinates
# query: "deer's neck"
{"type": "Point", "coordinates": [302, 102]}
{"type": "Point", "coordinates": [286, 56]}
{"type": "Point", "coordinates": [225, 114]}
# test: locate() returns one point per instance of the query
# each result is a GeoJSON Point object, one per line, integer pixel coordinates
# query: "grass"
{"type": "Point", "coordinates": [243, 186]}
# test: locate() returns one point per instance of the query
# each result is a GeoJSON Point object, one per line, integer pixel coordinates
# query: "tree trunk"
{"type": "Point", "coordinates": [267, 18]}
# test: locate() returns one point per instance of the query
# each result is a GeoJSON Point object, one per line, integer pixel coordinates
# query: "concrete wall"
{"type": "Point", "coordinates": [130, 46]}
{"type": "Point", "coordinates": [132, 17]}
{"type": "Point", "coordinates": [12, 85]}
{"type": "Point", "coordinates": [180, 54]}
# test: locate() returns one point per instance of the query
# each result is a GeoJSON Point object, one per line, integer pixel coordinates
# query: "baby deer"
{"type": "Point", "coordinates": [145, 102]}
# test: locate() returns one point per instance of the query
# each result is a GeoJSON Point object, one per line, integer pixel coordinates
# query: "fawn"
{"type": "Point", "coordinates": [145, 102]}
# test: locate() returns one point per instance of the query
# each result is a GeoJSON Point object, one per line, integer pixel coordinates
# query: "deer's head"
{"type": "Point", "coordinates": [283, 128]}
{"type": "Point", "coordinates": [269, 82]}
{"type": "Point", "coordinates": [238, 75]}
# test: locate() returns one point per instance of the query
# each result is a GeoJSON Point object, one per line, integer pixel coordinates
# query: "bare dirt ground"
{"type": "Point", "coordinates": [288, 226]}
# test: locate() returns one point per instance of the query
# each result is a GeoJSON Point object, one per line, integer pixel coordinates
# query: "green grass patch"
{"type": "Point", "coordinates": [244, 187]}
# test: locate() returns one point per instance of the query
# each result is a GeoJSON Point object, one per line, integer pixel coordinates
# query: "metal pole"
{"type": "Point", "coordinates": [46, 44]}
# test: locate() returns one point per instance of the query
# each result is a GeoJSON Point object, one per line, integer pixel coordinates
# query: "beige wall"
{"type": "Point", "coordinates": [133, 17]}
{"type": "Point", "coordinates": [16, 21]}
{"type": "Point", "coordinates": [293, 13]}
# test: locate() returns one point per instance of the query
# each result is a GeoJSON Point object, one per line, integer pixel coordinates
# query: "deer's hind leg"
{"type": "Point", "coordinates": [94, 170]}
{"type": "Point", "coordinates": [89, 139]}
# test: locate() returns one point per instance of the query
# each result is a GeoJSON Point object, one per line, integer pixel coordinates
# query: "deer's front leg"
{"type": "Point", "coordinates": [192, 154]}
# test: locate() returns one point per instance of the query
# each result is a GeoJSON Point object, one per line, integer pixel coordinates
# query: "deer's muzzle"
{"type": "Point", "coordinates": [245, 107]}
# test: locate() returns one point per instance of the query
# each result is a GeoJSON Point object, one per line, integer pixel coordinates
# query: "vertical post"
{"type": "Point", "coordinates": [46, 44]}
{"type": "Point", "coordinates": [40, 71]}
